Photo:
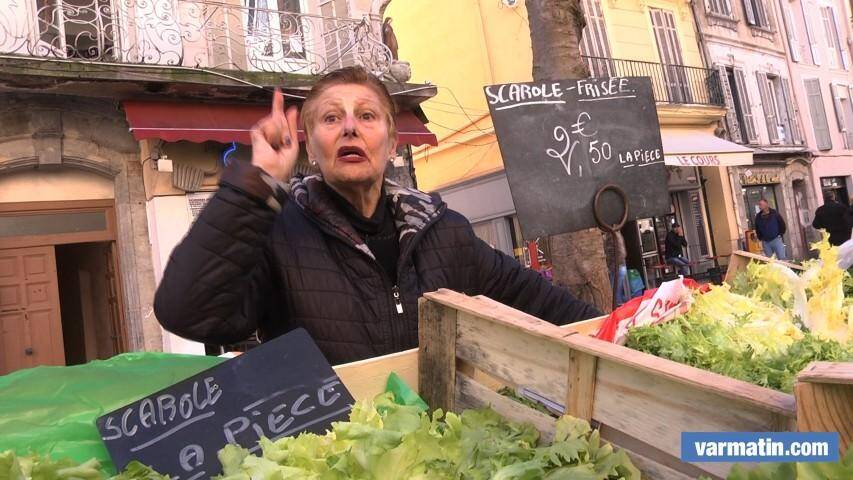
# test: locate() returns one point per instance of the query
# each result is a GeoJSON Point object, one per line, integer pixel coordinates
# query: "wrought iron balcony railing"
{"type": "Point", "coordinates": [671, 83]}
{"type": "Point", "coordinates": [222, 34]}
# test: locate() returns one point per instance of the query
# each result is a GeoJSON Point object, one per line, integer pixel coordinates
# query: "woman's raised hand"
{"type": "Point", "coordinates": [275, 146]}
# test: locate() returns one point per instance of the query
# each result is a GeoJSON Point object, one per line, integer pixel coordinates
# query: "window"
{"type": "Point", "coordinates": [669, 49]}
{"type": "Point", "coordinates": [810, 31]}
{"type": "Point", "coordinates": [273, 28]}
{"type": "Point", "coordinates": [719, 7]}
{"type": "Point", "coordinates": [739, 119]}
{"type": "Point", "coordinates": [836, 52]}
{"type": "Point", "coordinates": [338, 41]}
{"type": "Point", "coordinates": [791, 30]}
{"type": "Point", "coordinates": [843, 113]}
{"type": "Point", "coordinates": [778, 109]}
{"type": "Point", "coordinates": [818, 114]}
{"type": "Point", "coordinates": [756, 14]}
{"type": "Point", "coordinates": [84, 31]}
{"type": "Point", "coordinates": [594, 41]}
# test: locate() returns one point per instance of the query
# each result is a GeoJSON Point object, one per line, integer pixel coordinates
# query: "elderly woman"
{"type": "Point", "coordinates": [345, 254]}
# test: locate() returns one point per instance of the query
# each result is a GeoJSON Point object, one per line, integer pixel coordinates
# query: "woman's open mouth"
{"type": "Point", "coordinates": [351, 154]}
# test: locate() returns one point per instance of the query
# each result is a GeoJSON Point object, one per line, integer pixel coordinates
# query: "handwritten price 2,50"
{"type": "Point", "coordinates": [596, 152]}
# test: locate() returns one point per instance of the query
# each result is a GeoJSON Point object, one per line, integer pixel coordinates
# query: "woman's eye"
{"type": "Point", "coordinates": [368, 116]}
{"type": "Point", "coordinates": [331, 118]}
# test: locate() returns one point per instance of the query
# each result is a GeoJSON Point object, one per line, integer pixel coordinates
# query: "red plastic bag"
{"type": "Point", "coordinates": [658, 305]}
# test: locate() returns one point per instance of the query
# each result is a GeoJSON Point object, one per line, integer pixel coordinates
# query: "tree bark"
{"type": "Point", "coordinates": [555, 33]}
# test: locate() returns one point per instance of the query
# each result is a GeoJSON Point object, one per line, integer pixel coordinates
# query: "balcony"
{"type": "Point", "coordinates": [671, 84]}
{"type": "Point", "coordinates": [224, 35]}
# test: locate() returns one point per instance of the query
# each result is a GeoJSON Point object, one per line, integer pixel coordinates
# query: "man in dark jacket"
{"type": "Point", "coordinates": [674, 249]}
{"type": "Point", "coordinates": [769, 227]}
{"type": "Point", "coordinates": [832, 216]}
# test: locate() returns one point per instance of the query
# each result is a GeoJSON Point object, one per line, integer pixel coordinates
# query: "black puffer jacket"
{"type": "Point", "coordinates": [243, 267]}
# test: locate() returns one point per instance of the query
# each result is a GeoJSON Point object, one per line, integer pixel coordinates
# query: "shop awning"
{"type": "Point", "coordinates": [226, 123]}
{"type": "Point", "coordinates": [692, 148]}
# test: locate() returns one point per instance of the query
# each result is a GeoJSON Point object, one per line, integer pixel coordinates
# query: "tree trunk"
{"type": "Point", "coordinates": [577, 257]}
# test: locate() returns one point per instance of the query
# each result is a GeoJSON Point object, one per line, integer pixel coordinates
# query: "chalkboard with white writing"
{"type": "Point", "coordinates": [561, 141]}
{"type": "Point", "coordinates": [277, 389]}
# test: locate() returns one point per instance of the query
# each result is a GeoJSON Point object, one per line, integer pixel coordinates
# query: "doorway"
{"type": "Point", "coordinates": [752, 195]}
{"type": "Point", "coordinates": [86, 299]}
{"type": "Point", "coordinates": [60, 295]}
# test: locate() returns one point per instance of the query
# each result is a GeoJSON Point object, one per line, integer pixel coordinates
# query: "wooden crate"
{"type": "Point", "coordinates": [740, 259]}
{"type": "Point", "coordinates": [642, 403]}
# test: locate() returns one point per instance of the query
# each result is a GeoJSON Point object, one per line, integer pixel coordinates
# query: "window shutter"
{"type": "Point", "coordinates": [790, 28]}
{"type": "Point", "coordinates": [761, 15]}
{"type": "Point", "coordinates": [796, 135]}
{"type": "Point", "coordinates": [750, 13]}
{"type": "Point", "coordinates": [731, 115]}
{"type": "Point", "coordinates": [836, 33]}
{"type": "Point", "coordinates": [810, 34]}
{"type": "Point", "coordinates": [745, 106]}
{"type": "Point", "coordinates": [818, 114]}
{"type": "Point", "coordinates": [837, 96]}
{"type": "Point", "coordinates": [828, 29]}
{"type": "Point", "coordinates": [767, 106]}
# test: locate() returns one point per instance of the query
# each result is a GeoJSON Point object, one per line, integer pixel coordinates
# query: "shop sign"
{"type": "Point", "coordinates": [759, 179]}
{"type": "Point", "coordinates": [698, 160]}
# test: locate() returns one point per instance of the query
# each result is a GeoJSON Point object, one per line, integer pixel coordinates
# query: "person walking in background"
{"type": "Point", "coordinates": [769, 226]}
{"type": "Point", "coordinates": [674, 249]}
{"type": "Point", "coordinates": [833, 216]}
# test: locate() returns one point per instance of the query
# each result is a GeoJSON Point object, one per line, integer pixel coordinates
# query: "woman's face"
{"type": "Point", "coordinates": [349, 138]}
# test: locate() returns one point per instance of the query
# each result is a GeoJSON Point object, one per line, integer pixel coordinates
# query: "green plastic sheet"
{"type": "Point", "coordinates": [52, 410]}
{"type": "Point", "coordinates": [403, 394]}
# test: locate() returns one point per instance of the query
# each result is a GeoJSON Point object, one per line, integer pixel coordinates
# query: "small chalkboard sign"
{"type": "Point", "coordinates": [562, 141]}
{"type": "Point", "coordinates": [277, 389]}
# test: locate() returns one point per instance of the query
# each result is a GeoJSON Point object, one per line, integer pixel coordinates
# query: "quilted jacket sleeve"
{"type": "Point", "coordinates": [216, 286]}
{"type": "Point", "coordinates": [502, 278]}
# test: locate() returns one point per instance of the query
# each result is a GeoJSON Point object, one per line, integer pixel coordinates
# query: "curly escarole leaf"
{"type": "Point", "coordinates": [383, 440]}
{"type": "Point", "coordinates": [38, 467]}
{"type": "Point", "coordinates": [764, 328]}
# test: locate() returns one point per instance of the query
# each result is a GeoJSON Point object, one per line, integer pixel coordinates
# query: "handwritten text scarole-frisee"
{"type": "Point", "coordinates": [516, 95]}
{"type": "Point", "coordinates": [165, 410]}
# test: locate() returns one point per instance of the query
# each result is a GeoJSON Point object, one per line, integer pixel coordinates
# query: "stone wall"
{"type": "Point", "coordinates": [59, 134]}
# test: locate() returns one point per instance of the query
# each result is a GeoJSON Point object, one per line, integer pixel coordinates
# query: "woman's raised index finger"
{"type": "Point", "coordinates": [277, 102]}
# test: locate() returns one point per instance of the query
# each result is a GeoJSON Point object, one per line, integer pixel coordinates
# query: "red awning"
{"type": "Point", "coordinates": [225, 123]}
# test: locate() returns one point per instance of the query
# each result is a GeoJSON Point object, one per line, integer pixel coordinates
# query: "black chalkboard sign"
{"type": "Point", "coordinates": [562, 141]}
{"type": "Point", "coordinates": [277, 389]}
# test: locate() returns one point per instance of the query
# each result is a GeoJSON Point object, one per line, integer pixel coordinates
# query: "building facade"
{"type": "Point", "coordinates": [818, 43]}
{"type": "Point", "coordinates": [745, 43]}
{"type": "Point", "coordinates": [117, 120]}
{"type": "Point", "coordinates": [489, 43]}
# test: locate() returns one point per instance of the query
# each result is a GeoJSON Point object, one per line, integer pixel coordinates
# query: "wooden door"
{"type": "Point", "coordinates": [30, 322]}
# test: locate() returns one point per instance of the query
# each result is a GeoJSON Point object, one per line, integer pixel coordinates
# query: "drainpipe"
{"type": "Point", "coordinates": [706, 58]}
{"type": "Point", "coordinates": [706, 55]}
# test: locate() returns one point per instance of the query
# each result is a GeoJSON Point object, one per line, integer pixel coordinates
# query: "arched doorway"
{"type": "Point", "coordinates": [60, 293]}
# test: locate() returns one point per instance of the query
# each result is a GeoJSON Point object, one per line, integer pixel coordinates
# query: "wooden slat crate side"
{"type": "Point", "coordinates": [737, 390]}
{"type": "Point", "coordinates": [656, 409]}
{"type": "Point", "coordinates": [367, 378]}
{"type": "Point", "coordinates": [437, 353]}
{"type": "Point", "coordinates": [824, 393]}
{"type": "Point", "coordinates": [740, 259]}
{"type": "Point", "coordinates": [472, 394]}
{"type": "Point", "coordinates": [518, 360]}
